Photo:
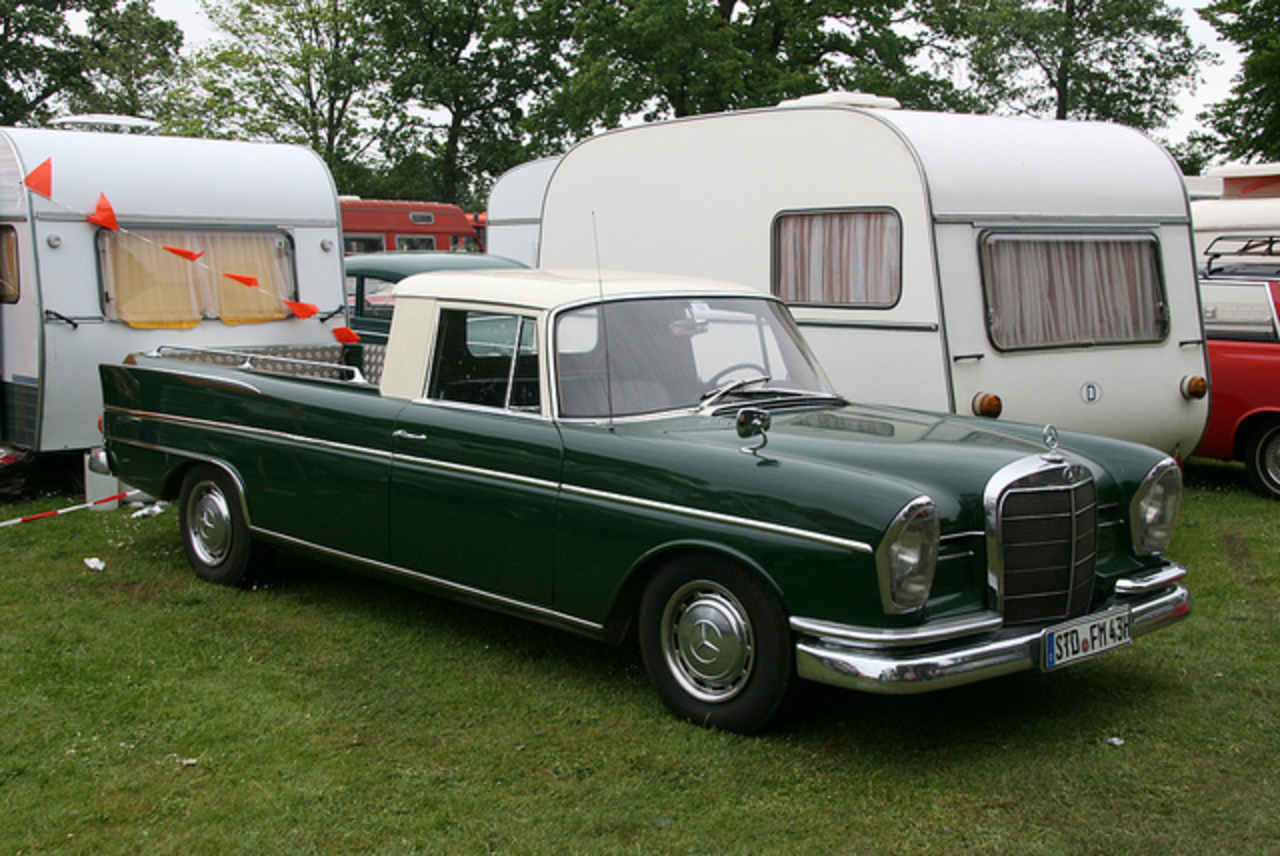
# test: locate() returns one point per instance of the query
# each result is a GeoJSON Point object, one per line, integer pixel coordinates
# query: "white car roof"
{"type": "Point", "coordinates": [545, 289]}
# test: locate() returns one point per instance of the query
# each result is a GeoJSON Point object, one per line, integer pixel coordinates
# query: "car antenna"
{"type": "Point", "coordinates": [604, 327]}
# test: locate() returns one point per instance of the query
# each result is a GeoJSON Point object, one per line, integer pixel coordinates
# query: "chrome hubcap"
{"type": "Point", "coordinates": [1271, 459]}
{"type": "Point", "coordinates": [209, 523]}
{"type": "Point", "coordinates": [707, 641]}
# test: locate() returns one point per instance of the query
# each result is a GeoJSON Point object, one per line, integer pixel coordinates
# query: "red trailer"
{"type": "Point", "coordinates": [373, 225]}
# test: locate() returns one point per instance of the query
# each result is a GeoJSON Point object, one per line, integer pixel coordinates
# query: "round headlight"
{"type": "Point", "coordinates": [908, 555]}
{"type": "Point", "coordinates": [1154, 509]}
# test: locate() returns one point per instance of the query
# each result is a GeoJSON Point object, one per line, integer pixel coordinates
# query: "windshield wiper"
{"type": "Point", "coordinates": [712, 396]}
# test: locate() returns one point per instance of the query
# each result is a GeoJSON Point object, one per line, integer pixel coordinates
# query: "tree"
{"type": "Point", "coordinates": [472, 68]}
{"type": "Point", "coordinates": [672, 58]}
{"type": "Point", "coordinates": [1248, 122]}
{"type": "Point", "coordinates": [300, 71]}
{"type": "Point", "coordinates": [132, 59]}
{"type": "Point", "coordinates": [40, 56]}
{"type": "Point", "coordinates": [1118, 60]}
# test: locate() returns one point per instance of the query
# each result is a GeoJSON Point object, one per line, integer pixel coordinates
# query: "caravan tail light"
{"type": "Point", "coordinates": [988, 405]}
{"type": "Point", "coordinates": [1194, 387]}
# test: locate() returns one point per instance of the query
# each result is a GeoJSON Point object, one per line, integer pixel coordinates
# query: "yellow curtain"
{"type": "Point", "coordinates": [8, 265]}
{"type": "Point", "coordinates": [149, 286]}
{"type": "Point", "coordinates": [152, 287]}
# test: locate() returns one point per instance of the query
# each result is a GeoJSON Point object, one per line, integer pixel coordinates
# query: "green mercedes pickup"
{"type": "Point", "coordinates": [659, 460]}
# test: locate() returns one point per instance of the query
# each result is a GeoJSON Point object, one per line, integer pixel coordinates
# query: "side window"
{"type": "Point", "coordinates": [1061, 290]}
{"type": "Point", "coordinates": [842, 258]}
{"type": "Point", "coordinates": [8, 265]}
{"type": "Point", "coordinates": [145, 285]}
{"type": "Point", "coordinates": [363, 244]}
{"type": "Point", "coordinates": [1240, 311]}
{"type": "Point", "coordinates": [415, 242]}
{"type": "Point", "coordinates": [486, 358]}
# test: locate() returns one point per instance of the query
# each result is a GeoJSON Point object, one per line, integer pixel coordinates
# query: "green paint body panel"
{"type": "Point", "coordinates": [560, 519]}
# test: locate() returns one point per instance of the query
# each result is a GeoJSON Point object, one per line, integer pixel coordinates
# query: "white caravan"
{"type": "Point", "coordinates": [1248, 206]}
{"type": "Point", "coordinates": [934, 260]}
{"type": "Point", "coordinates": [215, 241]}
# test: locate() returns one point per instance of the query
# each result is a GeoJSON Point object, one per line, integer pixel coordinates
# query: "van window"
{"type": "Point", "coordinates": [363, 244]}
{"type": "Point", "coordinates": [415, 242]}
{"type": "Point", "coordinates": [8, 265]}
{"type": "Point", "coordinates": [1056, 290]}
{"type": "Point", "coordinates": [146, 285]}
{"type": "Point", "coordinates": [847, 258]}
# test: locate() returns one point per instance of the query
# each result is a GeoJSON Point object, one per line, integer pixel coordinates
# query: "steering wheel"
{"type": "Point", "coordinates": [720, 375]}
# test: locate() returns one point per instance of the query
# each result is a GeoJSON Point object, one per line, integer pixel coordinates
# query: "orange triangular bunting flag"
{"type": "Point", "coordinates": [40, 179]}
{"type": "Point", "coordinates": [302, 310]}
{"type": "Point", "coordinates": [104, 215]}
{"type": "Point", "coordinates": [251, 281]}
{"type": "Point", "coordinates": [346, 335]}
{"type": "Point", "coordinates": [189, 255]}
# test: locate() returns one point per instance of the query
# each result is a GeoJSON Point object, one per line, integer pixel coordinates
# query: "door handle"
{"type": "Point", "coordinates": [401, 434]}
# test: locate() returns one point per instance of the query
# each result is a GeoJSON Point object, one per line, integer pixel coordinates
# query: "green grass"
{"type": "Point", "coordinates": [142, 710]}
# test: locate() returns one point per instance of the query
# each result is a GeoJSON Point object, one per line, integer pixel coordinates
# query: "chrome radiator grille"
{"type": "Point", "coordinates": [1045, 543]}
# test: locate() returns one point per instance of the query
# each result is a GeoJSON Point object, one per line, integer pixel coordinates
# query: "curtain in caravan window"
{"type": "Point", "coordinates": [851, 258]}
{"type": "Point", "coordinates": [148, 286]}
{"type": "Point", "coordinates": [1063, 290]}
{"type": "Point", "coordinates": [263, 257]}
{"type": "Point", "coordinates": [8, 265]}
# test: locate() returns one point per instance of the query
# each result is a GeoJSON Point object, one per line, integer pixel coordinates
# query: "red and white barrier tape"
{"type": "Point", "coordinates": [58, 511]}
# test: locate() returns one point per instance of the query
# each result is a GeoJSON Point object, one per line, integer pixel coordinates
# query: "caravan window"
{"type": "Point", "coordinates": [1054, 290]}
{"type": "Point", "coordinates": [147, 285]}
{"type": "Point", "coordinates": [8, 265]}
{"type": "Point", "coordinates": [846, 258]}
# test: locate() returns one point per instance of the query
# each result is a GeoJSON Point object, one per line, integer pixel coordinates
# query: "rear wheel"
{"type": "Point", "coordinates": [1262, 459]}
{"type": "Point", "coordinates": [215, 536]}
{"type": "Point", "coordinates": [716, 644]}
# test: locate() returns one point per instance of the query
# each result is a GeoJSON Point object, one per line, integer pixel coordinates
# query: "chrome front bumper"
{"type": "Point", "coordinates": [961, 651]}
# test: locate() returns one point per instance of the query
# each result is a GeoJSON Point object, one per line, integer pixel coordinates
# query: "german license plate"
{"type": "Point", "coordinates": [1087, 637]}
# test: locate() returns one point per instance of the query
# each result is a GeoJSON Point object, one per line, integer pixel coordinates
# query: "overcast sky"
{"type": "Point", "coordinates": [1216, 87]}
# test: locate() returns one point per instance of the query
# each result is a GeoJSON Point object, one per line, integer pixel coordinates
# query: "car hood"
{"type": "Point", "coordinates": [873, 457]}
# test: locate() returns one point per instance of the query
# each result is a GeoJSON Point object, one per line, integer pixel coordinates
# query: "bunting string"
{"type": "Point", "coordinates": [40, 182]}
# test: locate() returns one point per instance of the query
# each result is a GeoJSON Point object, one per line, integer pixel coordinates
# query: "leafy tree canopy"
{"type": "Point", "coordinates": [132, 58]}
{"type": "Point", "coordinates": [672, 58]}
{"type": "Point", "coordinates": [40, 56]}
{"type": "Point", "coordinates": [300, 71]}
{"type": "Point", "coordinates": [1119, 60]}
{"type": "Point", "coordinates": [1248, 122]}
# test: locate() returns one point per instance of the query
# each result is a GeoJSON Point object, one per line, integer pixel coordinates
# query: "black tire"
{"type": "Point", "coordinates": [215, 536]}
{"type": "Point", "coordinates": [716, 644]}
{"type": "Point", "coordinates": [1262, 459]}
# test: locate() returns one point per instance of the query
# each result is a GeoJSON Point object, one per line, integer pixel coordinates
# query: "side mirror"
{"type": "Point", "coordinates": [753, 422]}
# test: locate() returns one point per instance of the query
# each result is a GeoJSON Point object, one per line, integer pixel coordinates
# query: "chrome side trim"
{"type": "Point", "coordinates": [895, 670]}
{"type": "Point", "coordinates": [458, 589]}
{"type": "Point", "coordinates": [239, 430]}
{"type": "Point", "coordinates": [481, 472]}
{"type": "Point", "coordinates": [498, 475]}
{"type": "Point", "coordinates": [716, 517]}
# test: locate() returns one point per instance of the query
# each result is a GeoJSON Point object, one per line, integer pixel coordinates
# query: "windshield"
{"type": "Point", "coordinates": [672, 353]}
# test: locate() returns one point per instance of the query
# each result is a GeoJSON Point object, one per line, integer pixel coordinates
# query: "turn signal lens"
{"type": "Point", "coordinates": [1194, 387]}
{"type": "Point", "coordinates": [988, 405]}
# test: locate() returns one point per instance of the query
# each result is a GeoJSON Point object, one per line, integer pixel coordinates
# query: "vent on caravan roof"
{"type": "Point", "coordinates": [110, 122]}
{"type": "Point", "coordinates": [843, 99]}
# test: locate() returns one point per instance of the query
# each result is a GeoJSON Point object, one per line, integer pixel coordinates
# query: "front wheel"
{"type": "Point", "coordinates": [215, 536]}
{"type": "Point", "coordinates": [716, 644]}
{"type": "Point", "coordinates": [1262, 459]}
